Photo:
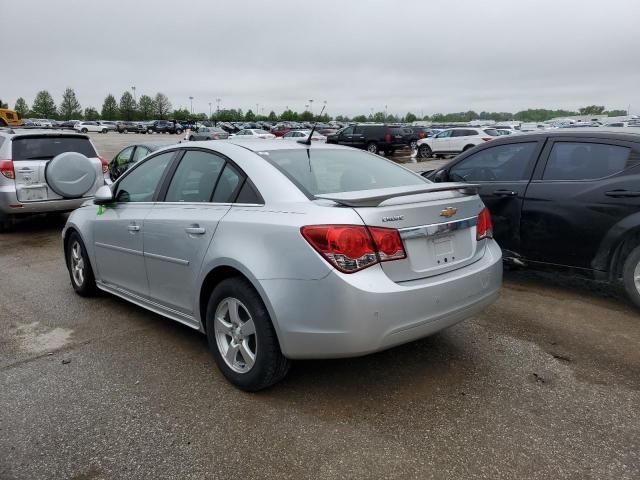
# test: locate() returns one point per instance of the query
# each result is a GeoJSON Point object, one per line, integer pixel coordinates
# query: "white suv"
{"type": "Point", "coordinates": [46, 171]}
{"type": "Point", "coordinates": [454, 141]}
{"type": "Point", "coordinates": [85, 127]}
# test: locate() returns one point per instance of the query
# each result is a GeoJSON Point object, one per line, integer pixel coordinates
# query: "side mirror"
{"type": "Point", "coordinates": [439, 176]}
{"type": "Point", "coordinates": [103, 195]}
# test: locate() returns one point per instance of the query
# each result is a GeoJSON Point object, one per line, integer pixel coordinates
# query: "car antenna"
{"type": "Point", "coordinates": [313, 129]}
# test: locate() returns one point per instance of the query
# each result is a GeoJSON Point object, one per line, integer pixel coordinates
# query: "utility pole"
{"type": "Point", "coordinates": [191, 100]}
{"type": "Point", "coordinates": [311, 106]}
{"type": "Point", "coordinates": [218, 106]}
{"type": "Point", "coordinates": [209, 110]}
{"type": "Point", "coordinates": [134, 94]}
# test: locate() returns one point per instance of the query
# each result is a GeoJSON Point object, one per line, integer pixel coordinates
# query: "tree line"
{"type": "Point", "coordinates": [158, 107]}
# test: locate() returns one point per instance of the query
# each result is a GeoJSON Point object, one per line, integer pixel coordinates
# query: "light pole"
{"type": "Point", "coordinates": [209, 110]}
{"type": "Point", "coordinates": [218, 106]}
{"type": "Point", "coordinates": [385, 114]}
{"type": "Point", "coordinates": [191, 100]}
{"type": "Point", "coordinates": [311, 105]}
{"type": "Point", "coordinates": [134, 94]}
{"type": "Point", "coordinates": [257, 112]}
{"type": "Point", "coordinates": [325, 106]}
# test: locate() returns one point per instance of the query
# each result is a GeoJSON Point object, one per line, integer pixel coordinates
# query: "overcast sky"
{"type": "Point", "coordinates": [412, 55]}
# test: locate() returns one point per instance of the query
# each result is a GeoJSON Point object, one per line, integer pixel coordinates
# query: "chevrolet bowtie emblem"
{"type": "Point", "coordinates": [448, 212]}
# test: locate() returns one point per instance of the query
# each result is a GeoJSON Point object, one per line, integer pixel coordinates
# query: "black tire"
{"type": "Point", "coordinates": [425, 151]}
{"type": "Point", "coordinates": [270, 365]}
{"type": "Point", "coordinates": [468, 147]}
{"type": "Point", "coordinates": [192, 138]}
{"type": "Point", "coordinates": [84, 130]}
{"type": "Point", "coordinates": [125, 131]}
{"type": "Point", "coordinates": [178, 131]}
{"type": "Point", "coordinates": [86, 287]}
{"type": "Point", "coordinates": [6, 223]}
{"type": "Point", "coordinates": [104, 130]}
{"type": "Point", "coordinates": [372, 147]}
{"type": "Point", "coordinates": [628, 276]}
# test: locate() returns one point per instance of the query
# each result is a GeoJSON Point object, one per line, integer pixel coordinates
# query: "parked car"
{"type": "Point", "coordinates": [164, 126]}
{"type": "Point", "coordinates": [35, 176]}
{"type": "Point", "coordinates": [415, 133]}
{"type": "Point", "coordinates": [110, 126]}
{"type": "Point", "coordinates": [126, 126]}
{"type": "Point", "coordinates": [131, 155]}
{"type": "Point", "coordinates": [373, 138]}
{"type": "Point", "coordinates": [255, 133]}
{"type": "Point", "coordinates": [562, 199]}
{"type": "Point", "coordinates": [68, 125]}
{"type": "Point", "coordinates": [303, 135]}
{"type": "Point", "coordinates": [454, 141]}
{"type": "Point", "coordinates": [85, 127]}
{"type": "Point", "coordinates": [184, 236]}
{"type": "Point", "coordinates": [207, 133]}
{"type": "Point", "coordinates": [280, 130]}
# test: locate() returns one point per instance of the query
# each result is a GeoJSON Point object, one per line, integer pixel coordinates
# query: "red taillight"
{"type": "Point", "coordinates": [486, 139]}
{"type": "Point", "coordinates": [484, 229]}
{"type": "Point", "coordinates": [387, 138]}
{"type": "Point", "coordinates": [353, 247]}
{"type": "Point", "coordinates": [6, 169]}
{"type": "Point", "coordinates": [422, 135]}
{"type": "Point", "coordinates": [105, 164]}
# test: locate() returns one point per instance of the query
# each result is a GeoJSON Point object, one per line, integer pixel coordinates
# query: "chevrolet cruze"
{"type": "Point", "coordinates": [282, 250]}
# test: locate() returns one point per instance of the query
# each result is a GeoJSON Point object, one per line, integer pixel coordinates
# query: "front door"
{"type": "Point", "coordinates": [503, 173]}
{"type": "Point", "coordinates": [585, 188]}
{"type": "Point", "coordinates": [178, 230]}
{"type": "Point", "coordinates": [441, 142]}
{"type": "Point", "coordinates": [118, 231]}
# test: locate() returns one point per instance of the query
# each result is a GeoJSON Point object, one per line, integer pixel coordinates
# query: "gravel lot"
{"type": "Point", "coordinates": [544, 384]}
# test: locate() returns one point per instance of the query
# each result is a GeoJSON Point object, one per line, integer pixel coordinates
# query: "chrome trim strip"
{"type": "Point", "coordinates": [118, 249]}
{"type": "Point", "coordinates": [166, 259]}
{"type": "Point", "coordinates": [437, 228]}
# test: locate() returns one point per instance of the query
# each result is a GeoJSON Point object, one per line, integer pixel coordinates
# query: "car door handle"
{"type": "Point", "coordinates": [622, 193]}
{"type": "Point", "coordinates": [195, 230]}
{"type": "Point", "coordinates": [504, 193]}
{"type": "Point", "coordinates": [133, 228]}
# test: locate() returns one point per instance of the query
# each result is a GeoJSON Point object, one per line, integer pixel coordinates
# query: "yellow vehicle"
{"type": "Point", "coordinates": [9, 118]}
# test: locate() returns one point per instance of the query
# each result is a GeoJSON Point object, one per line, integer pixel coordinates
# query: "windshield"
{"type": "Point", "coordinates": [329, 171]}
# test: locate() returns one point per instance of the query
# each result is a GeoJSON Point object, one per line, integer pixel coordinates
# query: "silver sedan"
{"type": "Point", "coordinates": [279, 251]}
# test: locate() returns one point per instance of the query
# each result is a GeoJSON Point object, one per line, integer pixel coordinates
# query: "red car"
{"type": "Point", "coordinates": [280, 130]}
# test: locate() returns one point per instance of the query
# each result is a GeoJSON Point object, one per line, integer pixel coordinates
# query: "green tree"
{"type": "Point", "coordinates": [410, 117]}
{"type": "Point", "coordinates": [109, 108]}
{"type": "Point", "coordinates": [378, 117]}
{"type": "Point", "coordinates": [181, 115]}
{"type": "Point", "coordinates": [306, 116]}
{"type": "Point", "coordinates": [70, 106]}
{"type": "Point", "coordinates": [249, 116]}
{"type": "Point", "coordinates": [91, 114]}
{"type": "Point", "coordinates": [360, 118]}
{"type": "Point", "coordinates": [163, 106]}
{"type": "Point", "coordinates": [146, 107]}
{"type": "Point", "coordinates": [592, 110]}
{"type": "Point", "coordinates": [610, 113]}
{"type": "Point", "coordinates": [43, 105]}
{"type": "Point", "coordinates": [127, 106]}
{"type": "Point", "coordinates": [287, 115]}
{"type": "Point", "coordinates": [3, 104]}
{"type": "Point", "coordinates": [272, 116]}
{"type": "Point", "coordinates": [21, 107]}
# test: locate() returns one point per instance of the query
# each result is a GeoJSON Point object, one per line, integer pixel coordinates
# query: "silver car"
{"type": "Point", "coordinates": [279, 251]}
{"type": "Point", "coordinates": [46, 171]}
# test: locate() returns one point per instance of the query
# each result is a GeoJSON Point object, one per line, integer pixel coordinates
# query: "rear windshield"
{"type": "Point", "coordinates": [44, 148]}
{"type": "Point", "coordinates": [329, 171]}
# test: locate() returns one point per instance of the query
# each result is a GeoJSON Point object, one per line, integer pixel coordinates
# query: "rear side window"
{"type": "Point", "coordinates": [585, 161]}
{"type": "Point", "coordinates": [195, 177]}
{"type": "Point", "coordinates": [45, 148]}
{"type": "Point", "coordinates": [228, 185]}
{"type": "Point", "coordinates": [329, 171]}
{"type": "Point", "coordinates": [501, 163]}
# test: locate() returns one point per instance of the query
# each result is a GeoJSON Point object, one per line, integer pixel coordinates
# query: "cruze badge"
{"type": "Point", "coordinates": [448, 212]}
{"type": "Point", "coordinates": [395, 218]}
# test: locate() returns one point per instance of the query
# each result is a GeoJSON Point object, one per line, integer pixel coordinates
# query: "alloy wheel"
{"type": "Point", "coordinates": [235, 334]}
{"type": "Point", "coordinates": [636, 277]}
{"type": "Point", "coordinates": [77, 264]}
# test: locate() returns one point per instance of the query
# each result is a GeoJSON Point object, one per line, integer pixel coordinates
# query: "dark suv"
{"type": "Point", "coordinates": [164, 126]}
{"type": "Point", "coordinates": [374, 138]}
{"type": "Point", "coordinates": [567, 199]}
{"type": "Point", "coordinates": [126, 126]}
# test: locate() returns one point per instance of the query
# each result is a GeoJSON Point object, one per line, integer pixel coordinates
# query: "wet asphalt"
{"type": "Point", "coordinates": [544, 384]}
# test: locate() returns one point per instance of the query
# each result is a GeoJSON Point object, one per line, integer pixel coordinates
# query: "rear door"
{"type": "Point", "coordinates": [31, 154]}
{"type": "Point", "coordinates": [179, 229]}
{"type": "Point", "coordinates": [503, 173]}
{"type": "Point", "coordinates": [584, 187]}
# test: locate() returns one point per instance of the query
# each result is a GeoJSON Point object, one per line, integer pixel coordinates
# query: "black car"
{"type": "Point", "coordinates": [564, 199]}
{"type": "Point", "coordinates": [164, 126]}
{"type": "Point", "coordinates": [127, 126]}
{"type": "Point", "coordinates": [415, 133]}
{"type": "Point", "coordinates": [374, 138]}
{"type": "Point", "coordinates": [132, 154]}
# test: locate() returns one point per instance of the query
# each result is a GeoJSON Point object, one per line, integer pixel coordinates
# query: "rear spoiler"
{"type": "Point", "coordinates": [373, 198]}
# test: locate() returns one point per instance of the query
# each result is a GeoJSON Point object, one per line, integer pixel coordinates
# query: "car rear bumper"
{"type": "Point", "coordinates": [349, 315]}
{"type": "Point", "coordinates": [9, 204]}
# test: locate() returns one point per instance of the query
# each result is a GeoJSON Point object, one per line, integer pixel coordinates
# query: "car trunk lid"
{"type": "Point", "coordinates": [437, 224]}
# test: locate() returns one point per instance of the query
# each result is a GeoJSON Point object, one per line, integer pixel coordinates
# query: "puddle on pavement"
{"type": "Point", "coordinates": [36, 338]}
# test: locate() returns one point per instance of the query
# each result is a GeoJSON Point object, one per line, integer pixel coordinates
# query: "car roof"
{"type": "Point", "coordinates": [604, 133]}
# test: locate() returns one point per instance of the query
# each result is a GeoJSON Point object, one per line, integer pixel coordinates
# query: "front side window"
{"type": "Point", "coordinates": [445, 134]}
{"type": "Point", "coordinates": [140, 153]}
{"type": "Point", "coordinates": [195, 177]}
{"type": "Point", "coordinates": [585, 161]}
{"type": "Point", "coordinates": [329, 171]}
{"type": "Point", "coordinates": [511, 162]}
{"type": "Point", "coordinates": [141, 183]}
{"type": "Point", "coordinates": [347, 131]}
